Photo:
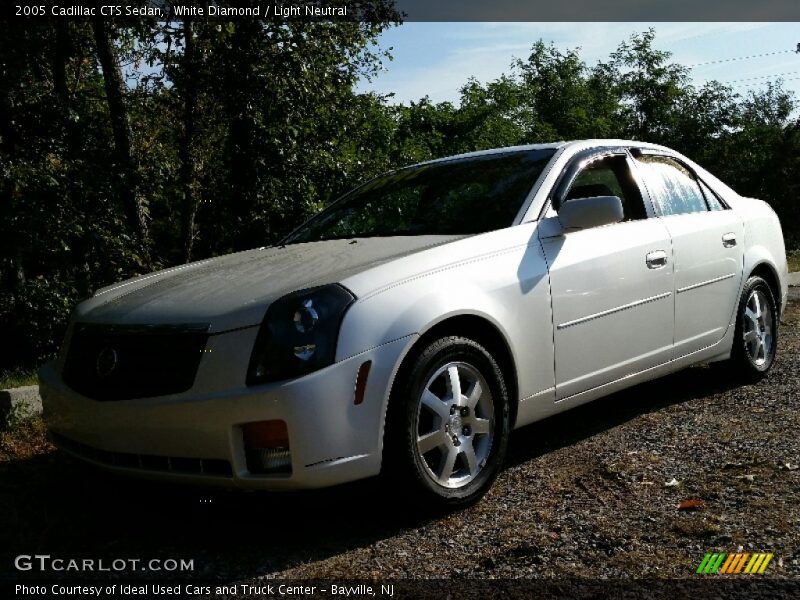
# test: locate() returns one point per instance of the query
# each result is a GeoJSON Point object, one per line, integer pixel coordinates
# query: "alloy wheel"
{"type": "Point", "coordinates": [455, 424]}
{"type": "Point", "coordinates": [758, 330]}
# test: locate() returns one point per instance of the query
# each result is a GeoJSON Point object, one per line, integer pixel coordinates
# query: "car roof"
{"type": "Point", "coordinates": [578, 144]}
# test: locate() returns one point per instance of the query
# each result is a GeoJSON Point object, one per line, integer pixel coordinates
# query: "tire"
{"type": "Point", "coordinates": [755, 338]}
{"type": "Point", "coordinates": [447, 450]}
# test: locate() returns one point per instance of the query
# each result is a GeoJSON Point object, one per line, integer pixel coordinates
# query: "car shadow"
{"type": "Point", "coordinates": [51, 504]}
{"type": "Point", "coordinates": [605, 413]}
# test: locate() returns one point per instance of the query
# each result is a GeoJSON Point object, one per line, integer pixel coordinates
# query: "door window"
{"type": "Point", "coordinates": [711, 198]}
{"type": "Point", "coordinates": [610, 176]}
{"type": "Point", "coordinates": [673, 187]}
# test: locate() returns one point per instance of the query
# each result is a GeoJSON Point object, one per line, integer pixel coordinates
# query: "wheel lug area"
{"type": "Point", "coordinates": [464, 411]}
{"type": "Point", "coordinates": [456, 441]}
{"type": "Point", "coordinates": [466, 431]}
{"type": "Point", "coordinates": [453, 409]}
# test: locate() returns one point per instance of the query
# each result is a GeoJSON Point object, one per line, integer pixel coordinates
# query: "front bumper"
{"type": "Point", "coordinates": [331, 439]}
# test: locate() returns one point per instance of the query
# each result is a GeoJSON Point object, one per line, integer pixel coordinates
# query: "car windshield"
{"type": "Point", "coordinates": [456, 197]}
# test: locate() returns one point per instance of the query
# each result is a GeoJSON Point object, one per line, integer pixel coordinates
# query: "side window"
{"type": "Point", "coordinates": [610, 177]}
{"type": "Point", "coordinates": [711, 198]}
{"type": "Point", "coordinates": [674, 188]}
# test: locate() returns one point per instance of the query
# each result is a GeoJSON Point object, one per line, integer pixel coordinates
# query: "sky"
{"type": "Point", "coordinates": [436, 59]}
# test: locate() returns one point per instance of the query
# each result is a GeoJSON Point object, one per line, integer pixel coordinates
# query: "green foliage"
{"type": "Point", "coordinates": [239, 131]}
{"type": "Point", "coordinates": [18, 415]}
{"type": "Point", "coordinates": [793, 258]}
{"type": "Point", "coordinates": [17, 378]}
{"type": "Point", "coordinates": [274, 131]}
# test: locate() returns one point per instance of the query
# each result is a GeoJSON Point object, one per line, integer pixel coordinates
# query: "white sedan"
{"type": "Point", "coordinates": [410, 326]}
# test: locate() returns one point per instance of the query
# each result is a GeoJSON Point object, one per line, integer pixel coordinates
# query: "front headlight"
{"type": "Point", "coordinates": [298, 334]}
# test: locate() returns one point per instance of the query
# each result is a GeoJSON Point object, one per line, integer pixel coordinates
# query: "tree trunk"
{"type": "Point", "coordinates": [187, 150]}
{"type": "Point", "coordinates": [242, 165]}
{"type": "Point", "coordinates": [9, 245]}
{"type": "Point", "coordinates": [63, 53]}
{"type": "Point", "coordinates": [8, 190]}
{"type": "Point", "coordinates": [120, 127]}
{"type": "Point", "coordinates": [60, 57]}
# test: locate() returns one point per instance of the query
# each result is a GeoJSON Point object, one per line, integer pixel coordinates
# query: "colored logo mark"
{"type": "Point", "coordinates": [726, 564]}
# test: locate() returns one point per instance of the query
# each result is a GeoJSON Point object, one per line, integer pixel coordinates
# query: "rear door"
{"type": "Point", "coordinates": [707, 242]}
{"type": "Point", "coordinates": [611, 286]}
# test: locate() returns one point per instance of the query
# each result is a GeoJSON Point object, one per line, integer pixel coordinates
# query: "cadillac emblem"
{"type": "Point", "coordinates": [107, 361]}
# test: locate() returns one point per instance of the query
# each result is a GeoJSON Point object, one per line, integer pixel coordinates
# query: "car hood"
{"type": "Point", "coordinates": [234, 291]}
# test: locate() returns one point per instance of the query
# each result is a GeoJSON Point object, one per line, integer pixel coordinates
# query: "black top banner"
{"type": "Point", "coordinates": [417, 10]}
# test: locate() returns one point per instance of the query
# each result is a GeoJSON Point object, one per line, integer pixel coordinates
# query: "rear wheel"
{"type": "Point", "coordinates": [756, 335]}
{"type": "Point", "coordinates": [448, 423]}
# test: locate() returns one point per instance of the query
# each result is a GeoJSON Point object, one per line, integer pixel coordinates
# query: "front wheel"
{"type": "Point", "coordinates": [448, 423]}
{"type": "Point", "coordinates": [756, 335]}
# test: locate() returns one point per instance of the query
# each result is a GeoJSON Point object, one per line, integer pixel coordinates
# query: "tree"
{"type": "Point", "coordinates": [650, 87]}
{"type": "Point", "coordinates": [128, 187]}
{"type": "Point", "coordinates": [190, 75]}
{"type": "Point", "coordinates": [139, 144]}
{"type": "Point", "coordinates": [555, 86]}
{"type": "Point", "coordinates": [284, 92]}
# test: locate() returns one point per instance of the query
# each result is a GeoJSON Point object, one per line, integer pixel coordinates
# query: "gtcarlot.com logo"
{"type": "Point", "coordinates": [734, 564]}
{"type": "Point", "coordinates": [45, 562]}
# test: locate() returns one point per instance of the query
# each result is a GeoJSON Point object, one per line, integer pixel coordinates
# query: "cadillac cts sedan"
{"type": "Point", "coordinates": [410, 326]}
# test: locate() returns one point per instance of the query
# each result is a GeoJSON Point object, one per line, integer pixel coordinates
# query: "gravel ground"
{"type": "Point", "coordinates": [592, 493]}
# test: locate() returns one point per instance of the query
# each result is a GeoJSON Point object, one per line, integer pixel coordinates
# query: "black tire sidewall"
{"type": "Point", "coordinates": [407, 461]}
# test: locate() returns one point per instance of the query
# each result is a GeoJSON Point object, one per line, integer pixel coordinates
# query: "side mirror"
{"type": "Point", "coordinates": [583, 213]}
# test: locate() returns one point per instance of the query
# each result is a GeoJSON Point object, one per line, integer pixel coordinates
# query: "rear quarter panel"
{"type": "Point", "coordinates": [763, 241]}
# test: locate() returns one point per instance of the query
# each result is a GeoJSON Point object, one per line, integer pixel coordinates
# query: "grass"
{"type": "Point", "coordinates": [794, 260]}
{"type": "Point", "coordinates": [17, 378]}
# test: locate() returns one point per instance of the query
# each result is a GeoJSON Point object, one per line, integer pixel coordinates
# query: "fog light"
{"type": "Point", "coordinates": [269, 460]}
{"type": "Point", "coordinates": [266, 445]}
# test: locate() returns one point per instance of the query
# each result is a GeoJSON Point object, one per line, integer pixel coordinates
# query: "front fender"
{"type": "Point", "coordinates": [509, 289]}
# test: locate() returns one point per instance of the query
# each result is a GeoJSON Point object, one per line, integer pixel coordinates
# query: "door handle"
{"type": "Point", "coordinates": [729, 240]}
{"type": "Point", "coordinates": [656, 259]}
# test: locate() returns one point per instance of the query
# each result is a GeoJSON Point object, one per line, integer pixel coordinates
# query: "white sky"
{"type": "Point", "coordinates": [436, 59]}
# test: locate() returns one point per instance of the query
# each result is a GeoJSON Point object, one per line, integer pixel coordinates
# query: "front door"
{"type": "Point", "coordinates": [611, 286]}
